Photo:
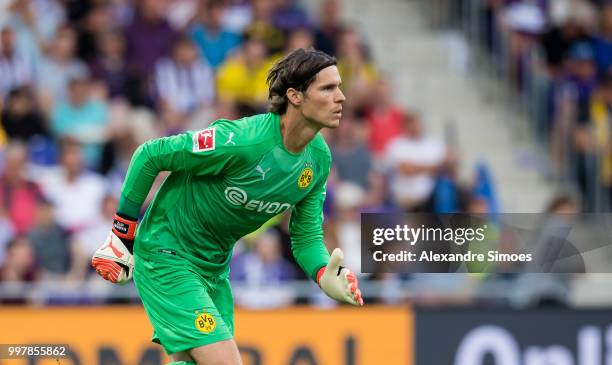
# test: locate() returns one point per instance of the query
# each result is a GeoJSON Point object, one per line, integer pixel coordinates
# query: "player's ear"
{"type": "Point", "coordinates": [294, 96]}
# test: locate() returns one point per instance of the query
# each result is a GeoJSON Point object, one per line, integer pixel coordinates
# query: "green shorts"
{"type": "Point", "coordinates": [187, 309]}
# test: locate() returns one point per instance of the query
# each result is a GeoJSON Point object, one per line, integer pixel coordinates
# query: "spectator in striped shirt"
{"type": "Point", "coordinates": [184, 83]}
{"type": "Point", "coordinates": [56, 70]}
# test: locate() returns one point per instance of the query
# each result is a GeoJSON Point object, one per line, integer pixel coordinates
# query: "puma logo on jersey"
{"type": "Point", "coordinates": [229, 139]}
{"type": "Point", "coordinates": [262, 172]}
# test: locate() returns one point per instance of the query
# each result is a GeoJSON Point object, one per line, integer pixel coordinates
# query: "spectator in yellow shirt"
{"type": "Point", "coordinates": [358, 73]}
{"type": "Point", "coordinates": [241, 80]}
{"type": "Point", "coordinates": [596, 139]}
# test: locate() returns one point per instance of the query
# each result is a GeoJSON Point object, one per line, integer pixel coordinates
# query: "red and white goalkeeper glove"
{"type": "Point", "coordinates": [338, 282]}
{"type": "Point", "coordinates": [114, 261]}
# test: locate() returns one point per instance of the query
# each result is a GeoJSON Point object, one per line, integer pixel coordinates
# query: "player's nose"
{"type": "Point", "coordinates": [340, 98]}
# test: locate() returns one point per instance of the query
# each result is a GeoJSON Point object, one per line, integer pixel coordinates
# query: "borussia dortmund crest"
{"type": "Point", "coordinates": [305, 178]}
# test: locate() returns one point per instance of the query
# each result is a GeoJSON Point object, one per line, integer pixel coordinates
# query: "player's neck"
{"type": "Point", "coordinates": [296, 131]}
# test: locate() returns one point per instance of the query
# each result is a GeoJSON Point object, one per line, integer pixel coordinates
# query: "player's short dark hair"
{"type": "Point", "coordinates": [296, 70]}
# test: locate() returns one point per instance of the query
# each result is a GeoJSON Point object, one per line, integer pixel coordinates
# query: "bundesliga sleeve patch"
{"type": "Point", "coordinates": [204, 140]}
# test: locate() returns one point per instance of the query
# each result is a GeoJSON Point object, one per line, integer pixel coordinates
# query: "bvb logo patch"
{"type": "Point", "coordinates": [305, 178]}
{"type": "Point", "coordinates": [205, 322]}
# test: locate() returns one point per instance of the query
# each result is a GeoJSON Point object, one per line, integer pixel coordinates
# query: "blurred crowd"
{"type": "Point", "coordinates": [557, 56]}
{"type": "Point", "coordinates": [83, 83]}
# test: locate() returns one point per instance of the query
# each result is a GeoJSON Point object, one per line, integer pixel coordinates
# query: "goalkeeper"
{"type": "Point", "coordinates": [225, 182]}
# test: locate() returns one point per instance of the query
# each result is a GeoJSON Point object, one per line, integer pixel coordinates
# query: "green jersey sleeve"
{"type": "Point", "coordinates": [306, 229]}
{"type": "Point", "coordinates": [196, 153]}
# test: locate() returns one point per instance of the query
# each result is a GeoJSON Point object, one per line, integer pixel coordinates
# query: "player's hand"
{"type": "Point", "coordinates": [113, 261]}
{"type": "Point", "coordinates": [338, 282]}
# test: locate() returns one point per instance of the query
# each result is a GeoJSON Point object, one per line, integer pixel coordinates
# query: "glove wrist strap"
{"type": "Point", "coordinates": [319, 274]}
{"type": "Point", "coordinates": [124, 228]}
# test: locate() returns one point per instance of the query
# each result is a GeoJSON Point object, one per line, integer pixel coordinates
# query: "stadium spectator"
{"type": "Point", "coordinates": [19, 264]}
{"type": "Point", "coordinates": [48, 16]}
{"type": "Point", "coordinates": [415, 160]}
{"type": "Point", "coordinates": [21, 119]}
{"type": "Point", "coordinates": [289, 16]}
{"type": "Point", "coordinates": [480, 217]}
{"type": "Point", "coordinates": [23, 18]}
{"type": "Point", "coordinates": [548, 282]}
{"type": "Point", "coordinates": [351, 159]}
{"type": "Point", "coordinates": [215, 42]}
{"type": "Point", "coordinates": [523, 22]}
{"type": "Point", "coordinates": [84, 116]}
{"type": "Point", "coordinates": [329, 28]}
{"type": "Point", "coordinates": [149, 23]}
{"type": "Point", "coordinates": [356, 69]}
{"type": "Point", "coordinates": [241, 80]}
{"type": "Point", "coordinates": [595, 143]}
{"type": "Point", "coordinates": [184, 83]}
{"type": "Point", "coordinates": [348, 200]}
{"type": "Point", "coordinates": [181, 13]}
{"type": "Point", "coordinates": [237, 16]}
{"type": "Point", "coordinates": [16, 68]}
{"type": "Point", "coordinates": [58, 68]}
{"type": "Point", "coordinates": [109, 66]}
{"type": "Point", "coordinates": [299, 38]}
{"type": "Point", "coordinates": [484, 187]}
{"type": "Point", "coordinates": [572, 102]}
{"type": "Point", "coordinates": [122, 12]}
{"type": "Point", "coordinates": [553, 252]}
{"type": "Point", "coordinates": [18, 268]}
{"type": "Point", "coordinates": [568, 27]}
{"type": "Point", "coordinates": [384, 118]}
{"type": "Point", "coordinates": [18, 194]}
{"type": "Point", "coordinates": [450, 194]}
{"type": "Point", "coordinates": [263, 271]}
{"type": "Point", "coordinates": [96, 21]}
{"type": "Point", "coordinates": [50, 243]}
{"type": "Point", "coordinates": [262, 25]}
{"type": "Point", "coordinates": [603, 41]}
{"type": "Point", "coordinates": [75, 192]}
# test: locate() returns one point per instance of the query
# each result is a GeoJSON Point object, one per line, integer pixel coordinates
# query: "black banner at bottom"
{"type": "Point", "coordinates": [503, 337]}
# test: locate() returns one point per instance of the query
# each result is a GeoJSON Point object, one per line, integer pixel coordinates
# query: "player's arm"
{"type": "Point", "coordinates": [196, 153]}
{"type": "Point", "coordinates": [306, 228]}
{"type": "Point", "coordinates": [192, 152]}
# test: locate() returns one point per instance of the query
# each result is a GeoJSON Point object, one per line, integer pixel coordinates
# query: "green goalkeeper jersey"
{"type": "Point", "coordinates": [226, 181]}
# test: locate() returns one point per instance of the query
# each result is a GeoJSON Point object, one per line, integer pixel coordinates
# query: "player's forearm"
{"type": "Point", "coordinates": [309, 250]}
{"type": "Point", "coordinates": [138, 181]}
{"type": "Point", "coordinates": [310, 255]}
{"type": "Point", "coordinates": [306, 229]}
{"type": "Point", "coordinates": [147, 162]}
